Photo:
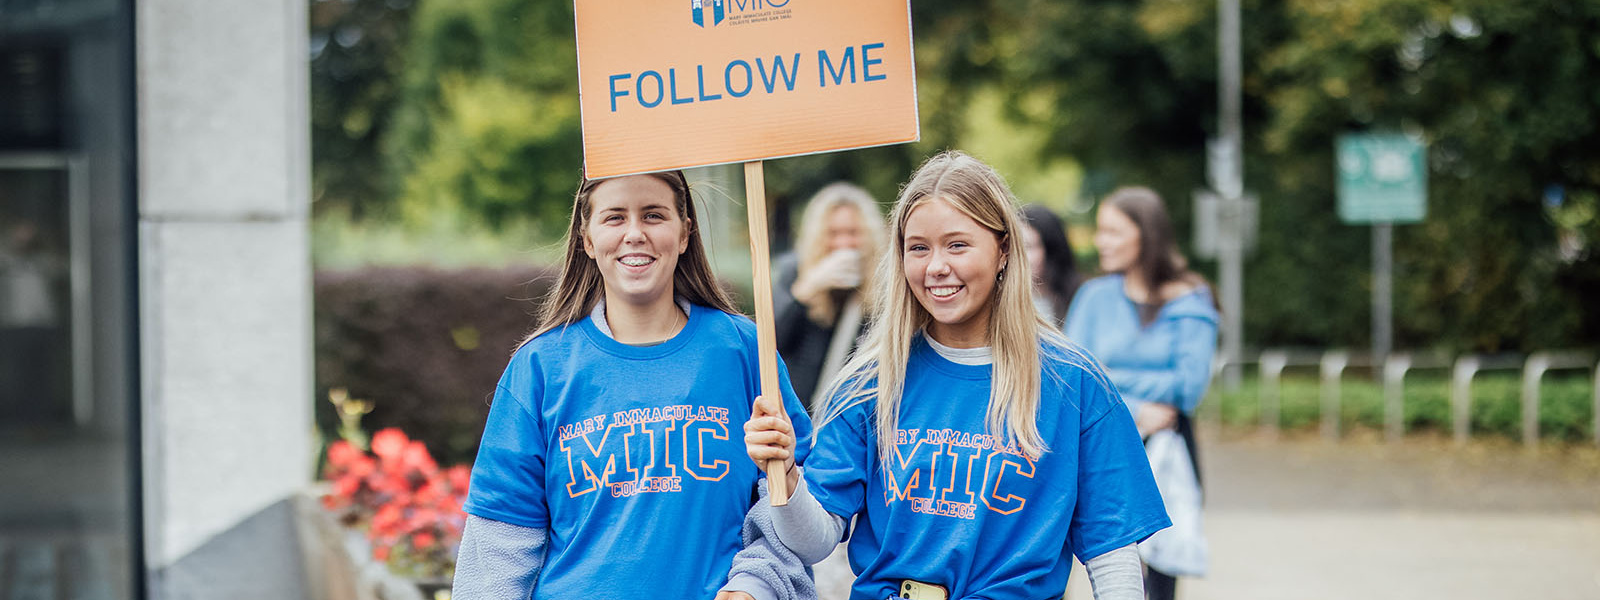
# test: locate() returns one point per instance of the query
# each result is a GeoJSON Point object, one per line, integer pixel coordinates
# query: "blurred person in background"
{"type": "Point", "coordinates": [817, 292]}
{"type": "Point", "coordinates": [1055, 270]}
{"type": "Point", "coordinates": [30, 322]}
{"type": "Point", "coordinates": [1152, 323]}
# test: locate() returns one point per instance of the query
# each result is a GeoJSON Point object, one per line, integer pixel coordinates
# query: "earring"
{"type": "Point", "coordinates": [1002, 275]}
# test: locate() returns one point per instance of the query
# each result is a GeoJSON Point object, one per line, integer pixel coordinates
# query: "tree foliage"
{"type": "Point", "coordinates": [479, 117]}
{"type": "Point", "coordinates": [356, 61]}
{"type": "Point", "coordinates": [1499, 91]}
{"type": "Point", "coordinates": [487, 121]}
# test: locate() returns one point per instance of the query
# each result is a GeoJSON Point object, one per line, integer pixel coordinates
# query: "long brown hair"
{"type": "Point", "coordinates": [1160, 262]}
{"type": "Point", "coordinates": [579, 286]}
{"type": "Point", "coordinates": [1060, 269]}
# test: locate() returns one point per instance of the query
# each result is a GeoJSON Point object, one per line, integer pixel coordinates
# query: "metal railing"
{"type": "Point", "coordinates": [1394, 374]}
{"type": "Point", "coordinates": [1467, 367]}
{"type": "Point", "coordinates": [1332, 364]}
{"type": "Point", "coordinates": [1272, 362]}
{"type": "Point", "coordinates": [1532, 372]}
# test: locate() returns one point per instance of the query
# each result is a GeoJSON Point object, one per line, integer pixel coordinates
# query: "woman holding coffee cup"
{"type": "Point", "coordinates": [817, 288]}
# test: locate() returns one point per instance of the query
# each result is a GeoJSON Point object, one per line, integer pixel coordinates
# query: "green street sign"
{"type": "Point", "coordinates": [1383, 178]}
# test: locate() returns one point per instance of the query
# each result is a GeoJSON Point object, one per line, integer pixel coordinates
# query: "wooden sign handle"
{"type": "Point", "coordinates": [755, 193]}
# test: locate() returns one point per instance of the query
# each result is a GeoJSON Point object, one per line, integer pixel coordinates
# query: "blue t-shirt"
{"type": "Point", "coordinates": [633, 457]}
{"type": "Point", "coordinates": [955, 507]}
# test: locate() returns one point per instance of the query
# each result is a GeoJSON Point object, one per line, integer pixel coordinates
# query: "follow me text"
{"type": "Point", "coordinates": [650, 88]}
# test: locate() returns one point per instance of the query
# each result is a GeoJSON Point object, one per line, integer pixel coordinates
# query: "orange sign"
{"type": "Point", "coordinates": [669, 84]}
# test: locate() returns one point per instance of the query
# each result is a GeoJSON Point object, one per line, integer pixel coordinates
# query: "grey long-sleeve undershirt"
{"type": "Point", "coordinates": [498, 560]}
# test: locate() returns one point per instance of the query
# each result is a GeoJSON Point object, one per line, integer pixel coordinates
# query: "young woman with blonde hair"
{"type": "Point", "coordinates": [817, 288]}
{"type": "Point", "coordinates": [608, 467]}
{"type": "Point", "coordinates": [976, 448]}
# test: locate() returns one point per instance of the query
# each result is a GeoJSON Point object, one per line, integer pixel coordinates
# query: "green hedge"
{"type": "Point", "coordinates": [425, 346]}
{"type": "Point", "coordinates": [1566, 404]}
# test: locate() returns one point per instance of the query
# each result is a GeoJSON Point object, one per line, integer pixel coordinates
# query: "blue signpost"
{"type": "Point", "coordinates": [1383, 180]}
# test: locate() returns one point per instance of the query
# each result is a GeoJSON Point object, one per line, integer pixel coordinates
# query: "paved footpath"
{"type": "Point", "coordinates": [1305, 519]}
{"type": "Point", "coordinates": [1301, 519]}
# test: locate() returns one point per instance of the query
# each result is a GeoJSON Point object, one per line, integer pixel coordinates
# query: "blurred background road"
{"type": "Point", "coordinates": [1304, 519]}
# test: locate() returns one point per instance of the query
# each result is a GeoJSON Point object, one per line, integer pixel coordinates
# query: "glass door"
{"type": "Point", "coordinates": [69, 459]}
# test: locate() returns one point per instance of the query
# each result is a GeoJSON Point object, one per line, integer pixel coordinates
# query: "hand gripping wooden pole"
{"type": "Point", "coordinates": [755, 194]}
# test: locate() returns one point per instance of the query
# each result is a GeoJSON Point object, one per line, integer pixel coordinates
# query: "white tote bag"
{"type": "Point", "coordinates": [1179, 550]}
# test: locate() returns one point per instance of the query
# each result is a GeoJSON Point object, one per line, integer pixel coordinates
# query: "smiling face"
{"type": "Point", "coordinates": [635, 235]}
{"type": "Point", "coordinates": [952, 264]}
{"type": "Point", "coordinates": [1116, 237]}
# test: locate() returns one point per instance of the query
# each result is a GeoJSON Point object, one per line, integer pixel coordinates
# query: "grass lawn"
{"type": "Point", "coordinates": [1566, 409]}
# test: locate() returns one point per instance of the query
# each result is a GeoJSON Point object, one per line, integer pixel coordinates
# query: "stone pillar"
{"type": "Point", "coordinates": [225, 293]}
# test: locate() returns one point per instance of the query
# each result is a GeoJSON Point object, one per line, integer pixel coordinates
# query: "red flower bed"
{"type": "Point", "coordinates": [410, 508]}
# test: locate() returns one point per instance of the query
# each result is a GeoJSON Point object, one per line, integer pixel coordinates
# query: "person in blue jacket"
{"type": "Point", "coordinates": [611, 466]}
{"type": "Point", "coordinates": [1150, 321]}
{"type": "Point", "coordinates": [977, 450]}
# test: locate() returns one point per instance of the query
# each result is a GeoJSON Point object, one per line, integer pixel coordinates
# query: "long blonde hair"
{"type": "Point", "coordinates": [812, 245]}
{"type": "Point", "coordinates": [878, 371]}
{"type": "Point", "coordinates": [579, 286]}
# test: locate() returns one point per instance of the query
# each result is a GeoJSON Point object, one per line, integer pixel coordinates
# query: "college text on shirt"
{"type": "Point", "coordinates": [657, 446]}
{"type": "Point", "coordinates": [946, 472]}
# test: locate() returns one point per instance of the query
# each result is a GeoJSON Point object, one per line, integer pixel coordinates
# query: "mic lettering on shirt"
{"type": "Point", "coordinates": [946, 472]}
{"type": "Point", "coordinates": [642, 450]}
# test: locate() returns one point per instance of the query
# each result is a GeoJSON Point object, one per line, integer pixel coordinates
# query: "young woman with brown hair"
{"type": "Point", "coordinates": [1153, 324]}
{"type": "Point", "coordinates": [610, 466]}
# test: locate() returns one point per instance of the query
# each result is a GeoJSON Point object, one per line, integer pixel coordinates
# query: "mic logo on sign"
{"type": "Point", "coordinates": [697, 12]}
{"type": "Point", "coordinates": [737, 12]}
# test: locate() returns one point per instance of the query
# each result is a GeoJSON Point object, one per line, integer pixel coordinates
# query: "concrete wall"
{"type": "Point", "coordinates": [225, 288]}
